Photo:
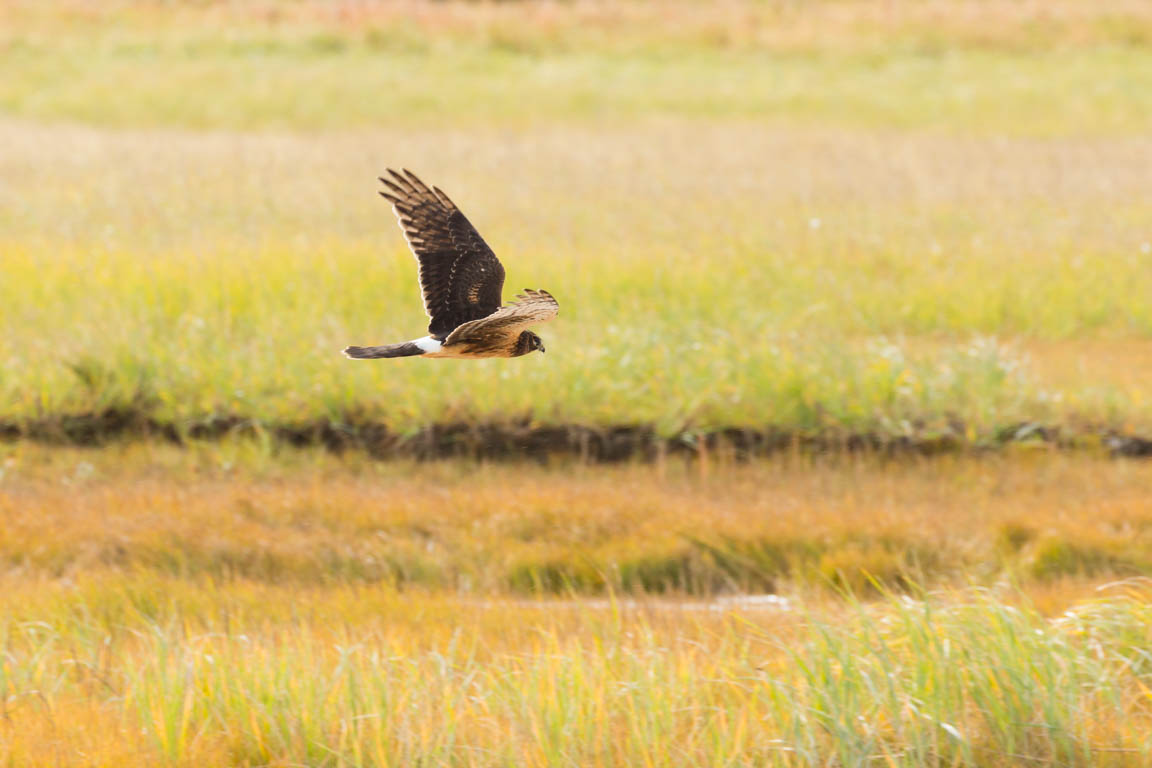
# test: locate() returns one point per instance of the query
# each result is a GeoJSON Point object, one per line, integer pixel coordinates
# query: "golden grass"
{"type": "Point", "coordinates": [787, 524]}
{"type": "Point", "coordinates": [429, 681]}
{"type": "Point", "coordinates": [142, 674]}
{"type": "Point", "coordinates": [232, 606]}
{"type": "Point", "coordinates": [903, 218]}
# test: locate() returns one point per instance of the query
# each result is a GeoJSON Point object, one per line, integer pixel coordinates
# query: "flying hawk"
{"type": "Point", "coordinates": [461, 280]}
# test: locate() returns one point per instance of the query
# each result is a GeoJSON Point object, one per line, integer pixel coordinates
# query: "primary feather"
{"type": "Point", "coordinates": [460, 277]}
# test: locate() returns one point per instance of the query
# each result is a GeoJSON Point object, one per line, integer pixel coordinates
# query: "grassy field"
{"type": "Point", "coordinates": [229, 607]}
{"type": "Point", "coordinates": [861, 218]}
{"type": "Point", "coordinates": [158, 673]}
{"type": "Point", "coordinates": [862, 222]}
{"type": "Point", "coordinates": [238, 512]}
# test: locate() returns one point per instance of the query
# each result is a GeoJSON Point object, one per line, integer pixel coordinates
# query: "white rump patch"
{"type": "Point", "coordinates": [427, 344]}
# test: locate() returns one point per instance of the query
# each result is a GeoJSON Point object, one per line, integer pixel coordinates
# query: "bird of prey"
{"type": "Point", "coordinates": [461, 280]}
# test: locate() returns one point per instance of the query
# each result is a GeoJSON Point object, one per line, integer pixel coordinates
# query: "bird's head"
{"type": "Point", "coordinates": [528, 342]}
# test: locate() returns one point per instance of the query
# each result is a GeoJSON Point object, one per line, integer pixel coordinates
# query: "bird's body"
{"type": "Point", "coordinates": [480, 345]}
{"type": "Point", "coordinates": [461, 281]}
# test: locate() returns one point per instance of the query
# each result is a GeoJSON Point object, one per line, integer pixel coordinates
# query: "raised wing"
{"type": "Point", "coordinates": [534, 307]}
{"type": "Point", "coordinates": [460, 277]}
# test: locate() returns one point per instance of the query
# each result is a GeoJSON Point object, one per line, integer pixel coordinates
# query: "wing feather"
{"type": "Point", "coordinates": [460, 277]}
{"type": "Point", "coordinates": [534, 307]}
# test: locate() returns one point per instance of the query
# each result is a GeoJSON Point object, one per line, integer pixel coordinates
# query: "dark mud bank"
{"type": "Point", "coordinates": [520, 439]}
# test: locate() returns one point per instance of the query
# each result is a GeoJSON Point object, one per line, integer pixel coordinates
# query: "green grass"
{"type": "Point", "coordinates": [783, 278]}
{"type": "Point", "coordinates": [1073, 70]}
{"type": "Point", "coordinates": [301, 88]}
{"type": "Point", "coordinates": [222, 675]}
{"type": "Point", "coordinates": [907, 219]}
{"type": "Point", "coordinates": [842, 218]}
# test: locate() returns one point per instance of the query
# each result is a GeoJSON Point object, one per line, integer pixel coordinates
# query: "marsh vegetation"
{"type": "Point", "coordinates": [903, 247]}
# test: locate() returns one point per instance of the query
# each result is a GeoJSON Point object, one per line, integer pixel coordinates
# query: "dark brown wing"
{"type": "Point", "coordinates": [460, 276]}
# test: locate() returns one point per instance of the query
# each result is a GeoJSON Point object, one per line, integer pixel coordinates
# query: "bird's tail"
{"type": "Point", "coordinates": [407, 349]}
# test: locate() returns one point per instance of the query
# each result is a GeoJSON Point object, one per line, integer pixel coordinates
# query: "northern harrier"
{"type": "Point", "coordinates": [461, 280]}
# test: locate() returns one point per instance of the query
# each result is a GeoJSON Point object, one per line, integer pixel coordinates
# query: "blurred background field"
{"type": "Point", "coordinates": [891, 218]}
{"type": "Point", "coordinates": [919, 223]}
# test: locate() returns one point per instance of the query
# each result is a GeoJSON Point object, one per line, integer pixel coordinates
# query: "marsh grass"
{"type": "Point", "coordinates": [923, 221]}
{"type": "Point", "coordinates": [239, 604]}
{"type": "Point", "coordinates": [1030, 68]}
{"type": "Point", "coordinates": [826, 218]}
{"type": "Point", "coordinates": [241, 511]}
{"type": "Point", "coordinates": [863, 284]}
{"type": "Point", "coordinates": [160, 673]}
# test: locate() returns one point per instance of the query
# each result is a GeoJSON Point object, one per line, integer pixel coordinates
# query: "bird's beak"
{"type": "Point", "coordinates": [541, 349]}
